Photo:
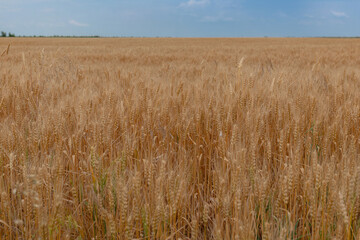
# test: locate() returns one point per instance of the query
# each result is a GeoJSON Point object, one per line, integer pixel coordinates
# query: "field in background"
{"type": "Point", "coordinates": [180, 138]}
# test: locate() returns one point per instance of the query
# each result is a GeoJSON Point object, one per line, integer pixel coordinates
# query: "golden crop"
{"type": "Point", "coordinates": [180, 139]}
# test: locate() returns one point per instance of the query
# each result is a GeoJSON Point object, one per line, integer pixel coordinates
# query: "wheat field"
{"type": "Point", "coordinates": [179, 138]}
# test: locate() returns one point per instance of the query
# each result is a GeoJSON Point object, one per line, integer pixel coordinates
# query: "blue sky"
{"type": "Point", "coordinates": [181, 18]}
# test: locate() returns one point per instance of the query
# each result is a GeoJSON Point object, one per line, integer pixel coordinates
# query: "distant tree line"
{"type": "Point", "coordinates": [3, 34]}
{"type": "Point", "coordinates": [62, 36]}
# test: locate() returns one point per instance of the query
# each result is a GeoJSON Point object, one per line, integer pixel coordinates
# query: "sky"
{"type": "Point", "coordinates": [182, 18]}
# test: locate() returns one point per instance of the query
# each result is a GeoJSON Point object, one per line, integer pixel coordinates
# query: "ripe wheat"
{"type": "Point", "coordinates": [180, 139]}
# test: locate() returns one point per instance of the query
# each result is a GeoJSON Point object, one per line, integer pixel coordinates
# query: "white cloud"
{"type": "Point", "coordinates": [194, 3]}
{"type": "Point", "coordinates": [218, 18]}
{"type": "Point", "coordinates": [338, 14]}
{"type": "Point", "coordinates": [75, 23]}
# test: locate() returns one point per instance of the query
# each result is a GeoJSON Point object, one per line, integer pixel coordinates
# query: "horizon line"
{"type": "Point", "coordinates": [99, 36]}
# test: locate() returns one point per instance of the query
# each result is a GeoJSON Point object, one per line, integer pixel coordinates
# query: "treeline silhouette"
{"type": "Point", "coordinates": [62, 36]}
{"type": "Point", "coordinates": [4, 34]}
